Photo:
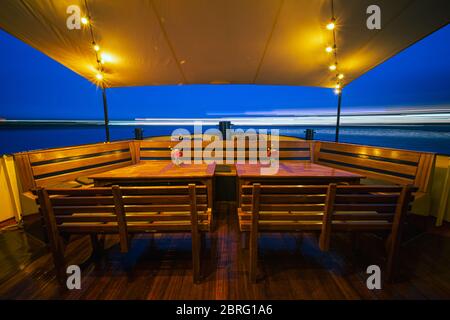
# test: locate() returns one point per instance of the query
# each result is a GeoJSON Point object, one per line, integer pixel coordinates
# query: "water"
{"type": "Point", "coordinates": [432, 138]}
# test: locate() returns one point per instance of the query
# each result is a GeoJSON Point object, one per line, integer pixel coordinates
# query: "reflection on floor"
{"type": "Point", "coordinates": [18, 249]}
{"type": "Point", "coordinates": [290, 267]}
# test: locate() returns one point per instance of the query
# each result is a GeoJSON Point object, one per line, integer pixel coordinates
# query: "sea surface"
{"type": "Point", "coordinates": [432, 138]}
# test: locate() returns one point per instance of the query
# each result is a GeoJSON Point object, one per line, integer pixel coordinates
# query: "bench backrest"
{"type": "Point", "coordinates": [401, 167]}
{"type": "Point", "coordinates": [287, 150]}
{"type": "Point", "coordinates": [47, 167]}
{"type": "Point", "coordinates": [120, 210]}
{"type": "Point", "coordinates": [365, 208]}
{"type": "Point", "coordinates": [282, 207]}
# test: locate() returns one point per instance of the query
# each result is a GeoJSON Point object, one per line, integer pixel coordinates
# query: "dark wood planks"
{"type": "Point", "coordinates": [294, 268]}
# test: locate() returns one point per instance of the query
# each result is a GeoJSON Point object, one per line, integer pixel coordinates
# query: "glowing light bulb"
{"type": "Point", "coordinates": [337, 91]}
{"type": "Point", "coordinates": [329, 49]}
{"type": "Point", "coordinates": [84, 20]}
{"type": "Point", "coordinates": [96, 47]}
{"type": "Point", "coordinates": [105, 57]}
{"type": "Point", "coordinates": [332, 67]}
{"type": "Point", "coordinates": [331, 25]}
{"type": "Point", "coordinates": [340, 76]}
{"type": "Point", "coordinates": [99, 76]}
{"type": "Point", "coordinates": [337, 86]}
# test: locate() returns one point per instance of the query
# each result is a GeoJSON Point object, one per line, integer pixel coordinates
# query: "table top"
{"type": "Point", "coordinates": [295, 169]}
{"type": "Point", "coordinates": [157, 170]}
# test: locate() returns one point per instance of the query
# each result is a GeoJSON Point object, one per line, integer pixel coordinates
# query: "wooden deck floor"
{"type": "Point", "coordinates": [290, 266]}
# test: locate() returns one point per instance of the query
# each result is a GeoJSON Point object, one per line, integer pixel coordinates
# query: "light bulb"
{"type": "Point", "coordinates": [331, 26]}
{"type": "Point", "coordinates": [337, 86]}
{"type": "Point", "coordinates": [99, 76]}
{"type": "Point", "coordinates": [329, 49]}
{"type": "Point", "coordinates": [337, 91]}
{"type": "Point", "coordinates": [105, 57]}
{"type": "Point", "coordinates": [340, 76]}
{"type": "Point", "coordinates": [84, 20]}
{"type": "Point", "coordinates": [96, 47]}
{"type": "Point", "coordinates": [332, 67]}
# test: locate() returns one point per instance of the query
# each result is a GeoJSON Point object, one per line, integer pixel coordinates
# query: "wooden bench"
{"type": "Point", "coordinates": [379, 165]}
{"type": "Point", "coordinates": [123, 211]}
{"type": "Point", "coordinates": [280, 209]}
{"type": "Point", "coordinates": [369, 208]}
{"type": "Point", "coordinates": [69, 167]}
{"type": "Point", "coordinates": [326, 209]}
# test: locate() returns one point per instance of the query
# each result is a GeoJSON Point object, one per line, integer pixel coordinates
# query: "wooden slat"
{"type": "Point", "coordinates": [73, 201]}
{"type": "Point", "coordinates": [369, 163]}
{"type": "Point", "coordinates": [370, 174]}
{"type": "Point", "coordinates": [289, 207]}
{"type": "Point", "coordinates": [405, 155]}
{"type": "Point", "coordinates": [286, 199]}
{"type": "Point", "coordinates": [380, 207]}
{"type": "Point", "coordinates": [80, 192]}
{"type": "Point", "coordinates": [294, 144]}
{"type": "Point", "coordinates": [73, 164]}
{"type": "Point", "coordinates": [282, 215]}
{"type": "Point", "coordinates": [158, 144]}
{"type": "Point", "coordinates": [293, 154]}
{"type": "Point", "coordinates": [302, 216]}
{"type": "Point", "coordinates": [172, 216]}
{"type": "Point", "coordinates": [82, 209]}
{"type": "Point", "coordinates": [155, 154]}
{"type": "Point", "coordinates": [86, 218]}
{"type": "Point", "coordinates": [362, 216]}
{"type": "Point", "coordinates": [361, 225]}
{"type": "Point", "coordinates": [51, 154]}
{"type": "Point", "coordinates": [111, 228]}
{"type": "Point", "coordinates": [287, 189]}
{"type": "Point", "coordinates": [367, 198]}
{"type": "Point", "coordinates": [165, 199]}
{"type": "Point", "coordinates": [291, 199]}
{"type": "Point", "coordinates": [292, 226]}
{"type": "Point", "coordinates": [158, 190]}
{"type": "Point", "coordinates": [162, 208]}
{"type": "Point", "coordinates": [354, 189]}
{"type": "Point", "coordinates": [73, 175]}
{"type": "Point", "coordinates": [163, 216]}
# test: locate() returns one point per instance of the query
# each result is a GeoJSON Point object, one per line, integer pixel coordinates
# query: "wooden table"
{"type": "Point", "coordinates": [153, 172]}
{"type": "Point", "coordinates": [295, 172]}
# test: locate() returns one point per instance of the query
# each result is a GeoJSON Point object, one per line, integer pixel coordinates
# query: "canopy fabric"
{"type": "Point", "coordinates": [278, 42]}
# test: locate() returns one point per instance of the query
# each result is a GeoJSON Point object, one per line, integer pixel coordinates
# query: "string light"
{"type": "Point", "coordinates": [99, 73]}
{"type": "Point", "coordinates": [333, 49]}
{"type": "Point", "coordinates": [331, 25]}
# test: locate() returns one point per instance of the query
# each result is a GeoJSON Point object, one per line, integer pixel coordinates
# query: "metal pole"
{"type": "Point", "coordinates": [338, 117]}
{"type": "Point", "coordinates": [105, 112]}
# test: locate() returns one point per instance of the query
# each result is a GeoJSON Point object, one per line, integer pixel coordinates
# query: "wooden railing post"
{"type": "Point", "coordinates": [324, 241]}
{"type": "Point", "coordinates": [195, 233]}
{"type": "Point", "coordinates": [121, 219]}
{"type": "Point", "coordinates": [254, 233]}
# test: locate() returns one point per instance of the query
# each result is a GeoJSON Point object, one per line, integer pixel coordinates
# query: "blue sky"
{"type": "Point", "coordinates": [34, 86]}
